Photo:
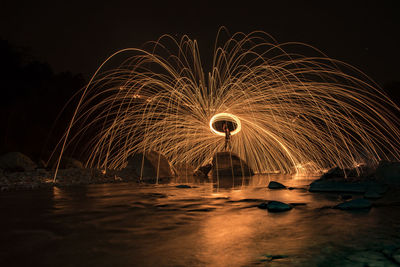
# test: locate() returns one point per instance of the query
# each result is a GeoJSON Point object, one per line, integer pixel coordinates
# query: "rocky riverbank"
{"type": "Point", "coordinates": [42, 178]}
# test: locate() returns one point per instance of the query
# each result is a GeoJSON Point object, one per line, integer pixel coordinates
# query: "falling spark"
{"type": "Point", "coordinates": [290, 110]}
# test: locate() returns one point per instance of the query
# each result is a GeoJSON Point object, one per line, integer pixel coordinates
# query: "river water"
{"type": "Point", "coordinates": [209, 224]}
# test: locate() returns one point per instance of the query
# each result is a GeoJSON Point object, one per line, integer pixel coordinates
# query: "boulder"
{"type": "Point", "coordinates": [16, 161]}
{"type": "Point", "coordinates": [183, 169]}
{"type": "Point", "coordinates": [203, 171]}
{"type": "Point", "coordinates": [275, 185]}
{"type": "Point", "coordinates": [70, 163]}
{"type": "Point", "coordinates": [275, 206]}
{"type": "Point", "coordinates": [228, 164]}
{"type": "Point", "coordinates": [355, 204]}
{"type": "Point", "coordinates": [150, 165]}
{"type": "Point", "coordinates": [335, 172]}
{"type": "Point", "coordinates": [343, 186]}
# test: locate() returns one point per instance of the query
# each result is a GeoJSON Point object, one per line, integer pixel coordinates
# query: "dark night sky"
{"type": "Point", "coordinates": [78, 35]}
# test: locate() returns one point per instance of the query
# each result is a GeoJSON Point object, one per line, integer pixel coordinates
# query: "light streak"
{"type": "Point", "coordinates": [290, 110]}
{"type": "Point", "coordinates": [225, 117]}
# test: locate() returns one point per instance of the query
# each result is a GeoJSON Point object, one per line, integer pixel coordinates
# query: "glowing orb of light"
{"type": "Point", "coordinates": [225, 117]}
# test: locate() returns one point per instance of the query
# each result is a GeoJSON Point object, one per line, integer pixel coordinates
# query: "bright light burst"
{"type": "Point", "coordinates": [291, 112]}
{"type": "Point", "coordinates": [225, 117]}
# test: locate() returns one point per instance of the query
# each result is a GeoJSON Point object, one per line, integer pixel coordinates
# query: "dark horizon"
{"type": "Point", "coordinates": [77, 37]}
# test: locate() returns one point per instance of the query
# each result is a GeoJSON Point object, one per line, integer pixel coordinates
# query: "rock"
{"type": "Point", "coordinates": [374, 190]}
{"type": "Point", "coordinates": [70, 163]}
{"type": "Point", "coordinates": [380, 188]}
{"type": "Point", "coordinates": [336, 172]}
{"type": "Point", "coordinates": [183, 169]}
{"type": "Point", "coordinates": [321, 185]}
{"type": "Point", "coordinates": [203, 171]}
{"type": "Point", "coordinates": [42, 164]}
{"type": "Point", "coordinates": [396, 256]}
{"type": "Point", "coordinates": [150, 165]}
{"type": "Point", "coordinates": [372, 195]}
{"type": "Point", "coordinates": [368, 258]}
{"type": "Point", "coordinates": [268, 257]}
{"type": "Point", "coordinates": [183, 186]}
{"type": "Point", "coordinates": [333, 173]}
{"type": "Point", "coordinates": [16, 161]}
{"type": "Point", "coordinates": [275, 185]}
{"type": "Point", "coordinates": [228, 164]}
{"type": "Point", "coordinates": [262, 206]}
{"type": "Point", "coordinates": [355, 204]}
{"type": "Point", "coordinates": [345, 196]}
{"type": "Point", "coordinates": [388, 172]}
{"type": "Point", "coordinates": [275, 206]}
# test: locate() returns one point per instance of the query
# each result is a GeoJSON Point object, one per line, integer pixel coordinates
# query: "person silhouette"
{"type": "Point", "coordinates": [227, 137]}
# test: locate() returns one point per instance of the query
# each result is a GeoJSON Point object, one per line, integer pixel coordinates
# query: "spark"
{"type": "Point", "coordinates": [290, 110]}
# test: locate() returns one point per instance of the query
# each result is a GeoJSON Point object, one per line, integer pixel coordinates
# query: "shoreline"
{"type": "Point", "coordinates": [42, 178]}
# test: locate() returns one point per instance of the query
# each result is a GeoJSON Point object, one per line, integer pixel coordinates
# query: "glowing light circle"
{"type": "Point", "coordinates": [225, 117]}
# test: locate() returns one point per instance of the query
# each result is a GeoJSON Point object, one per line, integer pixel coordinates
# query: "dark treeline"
{"type": "Point", "coordinates": [32, 96]}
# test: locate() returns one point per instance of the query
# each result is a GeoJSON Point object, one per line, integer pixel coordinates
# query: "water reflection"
{"type": "Point", "coordinates": [260, 180]}
{"type": "Point", "coordinates": [212, 223]}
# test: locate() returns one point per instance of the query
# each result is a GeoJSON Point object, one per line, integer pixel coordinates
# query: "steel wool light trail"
{"type": "Point", "coordinates": [290, 111]}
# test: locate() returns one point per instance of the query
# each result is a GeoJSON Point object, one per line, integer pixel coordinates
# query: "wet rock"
{"type": "Point", "coordinates": [149, 165]}
{"type": "Point", "coordinates": [345, 196]}
{"type": "Point", "coordinates": [275, 206]}
{"type": "Point", "coordinates": [372, 195]}
{"type": "Point", "coordinates": [183, 186]}
{"type": "Point", "coordinates": [355, 204]}
{"type": "Point", "coordinates": [268, 257]}
{"type": "Point", "coordinates": [203, 171]}
{"type": "Point", "coordinates": [263, 205]}
{"type": "Point", "coordinates": [375, 190]}
{"type": "Point", "coordinates": [228, 164]}
{"type": "Point", "coordinates": [338, 186]}
{"type": "Point", "coordinates": [378, 187]}
{"type": "Point", "coordinates": [275, 185]}
{"type": "Point", "coordinates": [16, 161]}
